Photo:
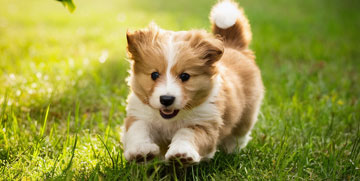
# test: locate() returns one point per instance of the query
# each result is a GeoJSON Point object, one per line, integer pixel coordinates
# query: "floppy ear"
{"type": "Point", "coordinates": [213, 51]}
{"type": "Point", "coordinates": [132, 44]}
{"type": "Point", "coordinates": [210, 48]}
{"type": "Point", "coordinates": [131, 50]}
{"type": "Point", "coordinates": [139, 39]}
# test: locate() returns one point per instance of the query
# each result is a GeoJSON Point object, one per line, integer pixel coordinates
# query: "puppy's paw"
{"type": "Point", "coordinates": [142, 152]}
{"type": "Point", "coordinates": [183, 152]}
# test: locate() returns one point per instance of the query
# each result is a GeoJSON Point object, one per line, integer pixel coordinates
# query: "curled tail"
{"type": "Point", "coordinates": [230, 22]}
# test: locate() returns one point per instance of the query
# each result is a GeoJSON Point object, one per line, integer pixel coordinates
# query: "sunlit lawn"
{"type": "Point", "coordinates": [63, 90]}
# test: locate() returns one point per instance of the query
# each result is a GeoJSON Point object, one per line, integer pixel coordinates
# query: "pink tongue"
{"type": "Point", "coordinates": [167, 111]}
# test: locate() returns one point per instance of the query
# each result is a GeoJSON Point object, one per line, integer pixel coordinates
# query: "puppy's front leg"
{"type": "Point", "coordinates": [191, 144]}
{"type": "Point", "coordinates": [137, 141]}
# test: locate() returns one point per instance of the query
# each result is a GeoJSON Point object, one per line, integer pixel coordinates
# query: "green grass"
{"type": "Point", "coordinates": [62, 109]}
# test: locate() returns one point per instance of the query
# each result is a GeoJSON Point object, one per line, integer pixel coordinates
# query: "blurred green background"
{"type": "Point", "coordinates": [63, 90]}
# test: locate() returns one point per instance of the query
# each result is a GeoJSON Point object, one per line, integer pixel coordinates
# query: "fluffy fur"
{"type": "Point", "coordinates": [217, 106]}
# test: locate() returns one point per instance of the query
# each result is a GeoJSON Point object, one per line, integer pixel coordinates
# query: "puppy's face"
{"type": "Point", "coordinates": [172, 71]}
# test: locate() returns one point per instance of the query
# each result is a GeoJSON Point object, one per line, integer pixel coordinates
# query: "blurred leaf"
{"type": "Point", "coordinates": [69, 4]}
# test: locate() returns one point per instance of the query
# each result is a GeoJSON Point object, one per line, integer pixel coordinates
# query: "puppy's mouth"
{"type": "Point", "coordinates": [168, 113]}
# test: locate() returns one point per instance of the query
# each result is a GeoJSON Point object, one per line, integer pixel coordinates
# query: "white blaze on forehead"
{"type": "Point", "coordinates": [170, 86]}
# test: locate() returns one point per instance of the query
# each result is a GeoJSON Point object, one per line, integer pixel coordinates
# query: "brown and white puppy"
{"type": "Point", "coordinates": [192, 91]}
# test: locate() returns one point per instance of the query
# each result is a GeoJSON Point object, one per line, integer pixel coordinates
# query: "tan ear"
{"type": "Point", "coordinates": [208, 47]}
{"type": "Point", "coordinates": [131, 38]}
{"type": "Point", "coordinates": [139, 39]}
{"type": "Point", "coordinates": [213, 50]}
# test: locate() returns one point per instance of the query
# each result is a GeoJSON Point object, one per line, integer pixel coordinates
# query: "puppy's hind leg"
{"type": "Point", "coordinates": [233, 143]}
{"type": "Point", "coordinates": [240, 135]}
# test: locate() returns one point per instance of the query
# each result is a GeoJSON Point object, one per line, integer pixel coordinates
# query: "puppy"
{"type": "Point", "coordinates": [192, 91]}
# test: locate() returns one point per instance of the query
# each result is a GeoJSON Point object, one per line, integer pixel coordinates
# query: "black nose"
{"type": "Point", "coordinates": [167, 100]}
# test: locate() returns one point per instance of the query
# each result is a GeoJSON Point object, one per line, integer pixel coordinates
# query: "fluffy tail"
{"type": "Point", "coordinates": [230, 22]}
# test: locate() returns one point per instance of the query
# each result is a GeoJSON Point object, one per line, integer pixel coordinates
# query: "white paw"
{"type": "Point", "coordinates": [141, 152]}
{"type": "Point", "coordinates": [184, 152]}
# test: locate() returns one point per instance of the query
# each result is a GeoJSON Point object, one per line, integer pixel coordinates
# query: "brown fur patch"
{"type": "Point", "coordinates": [129, 121]}
{"type": "Point", "coordinates": [205, 138]}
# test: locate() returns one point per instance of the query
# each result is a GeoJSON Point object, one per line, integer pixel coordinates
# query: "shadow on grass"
{"type": "Point", "coordinates": [159, 170]}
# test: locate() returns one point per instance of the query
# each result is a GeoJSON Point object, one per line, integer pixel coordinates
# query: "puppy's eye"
{"type": "Point", "coordinates": [184, 77]}
{"type": "Point", "coordinates": [155, 75]}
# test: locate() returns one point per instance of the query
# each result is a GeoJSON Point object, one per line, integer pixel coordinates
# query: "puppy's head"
{"type": "Point", "coordinates": [172, 71]}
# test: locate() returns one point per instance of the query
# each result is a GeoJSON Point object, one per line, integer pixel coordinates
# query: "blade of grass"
{"type": "Point", "coordinates": [54, 167]}
{"type": "Point", "coordinates": [72, 156]}
{"type": "Point", "coordinates": [112, 160]}
{"type": "Point", "coordinates": [3, 107]}
{"type": "Point", "coordinates": [5, 137]}
{"type": "Point", "coordinates": [68, 130]}
{"type": "Point", "coordinates": [15, 126]}
{"type": "Point", "coordinates": [109, 124]}
{"type": "Point", "coordinates": [45, 120]}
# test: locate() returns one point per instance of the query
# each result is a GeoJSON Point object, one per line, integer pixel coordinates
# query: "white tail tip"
{"type": "Point", "coordinates": [224, 14]}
